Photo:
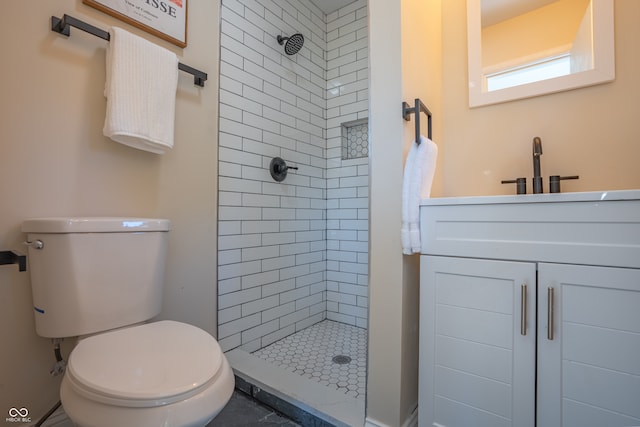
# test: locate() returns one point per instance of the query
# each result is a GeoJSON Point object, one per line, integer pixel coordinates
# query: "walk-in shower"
{"type": "Point", "coordinates": [293, 254]}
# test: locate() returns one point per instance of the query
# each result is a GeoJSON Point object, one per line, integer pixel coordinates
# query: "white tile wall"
{"type": "Point", "coordinates": [282, 246]}
{"type": "Point", "coordinates": [347, 180]}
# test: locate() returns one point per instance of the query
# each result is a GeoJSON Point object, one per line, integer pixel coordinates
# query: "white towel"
{"type": "Point", "coordinates": [409, 167]}
{"type": "Point", "coordinates": [418, 178]}
{"type": "Point", "coordinates": [142, 79]}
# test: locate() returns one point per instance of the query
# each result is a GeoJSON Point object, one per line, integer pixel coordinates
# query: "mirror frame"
{"type": "Point", "coordinates": [603, 58]}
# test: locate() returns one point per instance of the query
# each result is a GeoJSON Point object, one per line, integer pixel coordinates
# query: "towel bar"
{"type": "Point", "coordinates": [61, 26]}
{"type": "Point", "coordinates": [407, 111]}
{"type": "Point", "coordinates": [11, 257]}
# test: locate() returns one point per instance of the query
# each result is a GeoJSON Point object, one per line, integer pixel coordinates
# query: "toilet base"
{"type": "Point", "coordinates": [196, 411]}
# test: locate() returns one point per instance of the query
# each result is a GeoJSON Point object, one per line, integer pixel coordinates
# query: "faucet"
{"type": "Point", "coordinates": [537, 178]}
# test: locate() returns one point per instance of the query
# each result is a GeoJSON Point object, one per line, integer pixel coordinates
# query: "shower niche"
{"type": "Point", "coordinates": [355, 139]}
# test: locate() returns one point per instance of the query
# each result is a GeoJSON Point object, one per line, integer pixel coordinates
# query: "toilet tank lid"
{"type": "Point", "coordinates": [94, 225]}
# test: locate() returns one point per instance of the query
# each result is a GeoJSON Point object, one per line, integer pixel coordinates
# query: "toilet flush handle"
{"type": "Point", "coordinates": [36, 244]}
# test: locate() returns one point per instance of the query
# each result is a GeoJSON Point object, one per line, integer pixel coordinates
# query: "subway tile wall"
{"type": "Point", "coordinates": [347, 180]}
{"type": "Point", "coordinates": [293, 253]}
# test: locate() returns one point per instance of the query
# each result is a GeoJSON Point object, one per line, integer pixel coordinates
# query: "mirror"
{"type": "Point", "coordinates": [524, 48]}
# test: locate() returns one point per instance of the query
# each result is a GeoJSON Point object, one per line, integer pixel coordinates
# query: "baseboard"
{"type": "Point", "coordinates": [412, 421]}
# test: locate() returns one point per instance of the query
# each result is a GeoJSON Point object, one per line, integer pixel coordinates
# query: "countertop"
{"type": "Point", "coordinates": [587, 196]}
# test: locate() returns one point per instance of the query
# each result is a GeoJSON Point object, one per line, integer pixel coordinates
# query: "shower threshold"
{"type": "Point", "coordinates": [303, 399]}
{"type": "Point", "coordinates": [286, 391]}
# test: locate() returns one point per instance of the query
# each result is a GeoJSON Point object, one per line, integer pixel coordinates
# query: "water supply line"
{"type": "Point", "coordinates": [58, 368]}
{"type": "Point", "coordinates": [48, 414]}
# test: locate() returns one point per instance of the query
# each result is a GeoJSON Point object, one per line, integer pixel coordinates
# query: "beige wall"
{"type": "Point", "coordinates": [532, 35]}
{"type": "Point", "coordinates": [55, 161]}
{"type": "Point", "coordinates": [421, 67]}
{"type": "Point", "coordinates": [384, 386]}
{"type": "Point", "coordinates": [591, 132]}
{"type": "Point", "coordinates": [403, 66]}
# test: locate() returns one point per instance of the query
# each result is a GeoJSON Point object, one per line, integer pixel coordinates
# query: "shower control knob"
{"type": "Point", "coordinates": [278, 169]}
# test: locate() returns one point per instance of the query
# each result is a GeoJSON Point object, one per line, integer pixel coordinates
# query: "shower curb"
{"type": "Point", "coordinates": [285, 408]}
{"type": "Point", "coordinates": [304, 401]}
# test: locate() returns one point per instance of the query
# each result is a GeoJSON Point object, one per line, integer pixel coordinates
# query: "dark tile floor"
{"type": "Point", "coordinates": [244, 411]}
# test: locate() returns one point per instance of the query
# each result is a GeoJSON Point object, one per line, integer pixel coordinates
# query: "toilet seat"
{"type": "Point", "coordinates": [150, 365]}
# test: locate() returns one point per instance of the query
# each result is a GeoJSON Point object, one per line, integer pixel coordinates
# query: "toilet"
{"type": "Point", "coordinates": [101, 280]}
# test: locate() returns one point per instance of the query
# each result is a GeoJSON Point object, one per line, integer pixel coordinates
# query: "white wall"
{"type": "Point", "coordinates": [347, 178]}
{"type": "Point", "coordinates": [271, 234]}
{"type": "Point", "coordinates": [54, 161]}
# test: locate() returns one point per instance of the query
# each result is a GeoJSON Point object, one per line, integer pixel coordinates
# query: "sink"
{"type": "Point", "coordinates": [595, 228]}
{"type": "Point", "coordinates": [587, 196]}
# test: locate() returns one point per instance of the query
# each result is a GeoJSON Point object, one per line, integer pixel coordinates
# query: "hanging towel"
{"type": "Point", "coordinates": [142, 79]}
{"type": "Point", "coordinates": [409, 173]}
{"type": "Point", "coordinates": [418, 178]}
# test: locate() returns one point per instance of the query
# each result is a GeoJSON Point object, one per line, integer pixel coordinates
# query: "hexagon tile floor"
{"type": "Point", "coordinates": [331, 353]}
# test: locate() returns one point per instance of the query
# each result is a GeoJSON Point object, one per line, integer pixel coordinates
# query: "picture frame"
{"type": "Point", "coordinates": [166, 19]}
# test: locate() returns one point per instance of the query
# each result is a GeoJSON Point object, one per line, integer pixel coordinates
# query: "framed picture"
{"type": "Point", "coordinates": [166, 19]}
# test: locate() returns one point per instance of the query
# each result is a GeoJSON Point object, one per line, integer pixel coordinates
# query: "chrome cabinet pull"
{"type": "Point", "coordinates": [550, 314]}
{"type": "Point", "coordinates": [523, 309]}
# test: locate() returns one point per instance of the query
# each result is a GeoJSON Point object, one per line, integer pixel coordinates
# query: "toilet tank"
{"type": "Point", "coordinates": [95, 274]}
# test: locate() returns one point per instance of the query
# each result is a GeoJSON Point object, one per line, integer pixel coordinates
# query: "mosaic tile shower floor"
{"type": "Point", "coordinates": [311, 352]}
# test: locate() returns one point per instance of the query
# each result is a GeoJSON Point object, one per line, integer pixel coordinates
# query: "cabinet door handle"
{"type": "Point", "coordinates": [523, 309]}
{"type": "Point", "coordinates": [550, 314]}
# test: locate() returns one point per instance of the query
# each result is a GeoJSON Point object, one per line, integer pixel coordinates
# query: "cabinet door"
{"type": "Point", "coordinates": [477, 369]}
{"type": "Point", "coordinates": [589, 365]}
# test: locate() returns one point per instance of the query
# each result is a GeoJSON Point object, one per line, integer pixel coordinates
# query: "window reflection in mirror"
{"type": "Point", "coordinates": [524, 48]}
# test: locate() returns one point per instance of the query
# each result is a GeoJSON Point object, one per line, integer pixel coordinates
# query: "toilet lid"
{"type": "Point", "coordinates": [157, 361]}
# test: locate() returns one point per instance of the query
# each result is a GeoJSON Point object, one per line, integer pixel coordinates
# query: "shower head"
{"type": "Point", "coordinates": [292, 44]}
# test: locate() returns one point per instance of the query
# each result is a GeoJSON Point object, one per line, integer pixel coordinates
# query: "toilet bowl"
{"type": "Point", "coordinates": [164, 373]}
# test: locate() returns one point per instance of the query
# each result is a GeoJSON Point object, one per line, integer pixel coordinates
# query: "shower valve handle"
{"type": "Point", "coordinates": [278, 169]}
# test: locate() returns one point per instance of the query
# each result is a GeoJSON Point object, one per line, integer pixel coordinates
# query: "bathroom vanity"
{"type": "Point", "coordinates": [530, 310]}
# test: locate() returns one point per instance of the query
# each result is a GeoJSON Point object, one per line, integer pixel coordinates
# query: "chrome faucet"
{"type": "Point", "coordinates": [537, 178]}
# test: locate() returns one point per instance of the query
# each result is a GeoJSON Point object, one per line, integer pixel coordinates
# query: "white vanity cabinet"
{"type": "Point", "coordinates": [476, 368]}
{"type": "Point", "coordinates": [530, 311]}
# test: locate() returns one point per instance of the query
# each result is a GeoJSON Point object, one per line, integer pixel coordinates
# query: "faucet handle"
{"type": "Point", "coordinates": [521, 184]}
{"type": "Point", "coordinates": [554, 182]}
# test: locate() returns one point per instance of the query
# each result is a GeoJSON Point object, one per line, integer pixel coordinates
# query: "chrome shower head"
{"type": "Point", "coordinates": [293, 44]}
